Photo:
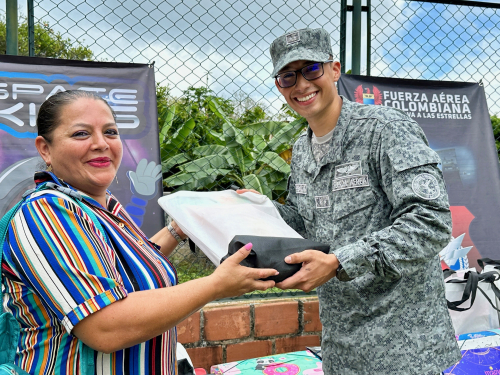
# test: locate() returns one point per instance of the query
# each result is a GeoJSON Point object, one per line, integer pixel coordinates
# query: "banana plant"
{"type": "Point", "coordinates": [245, 155]}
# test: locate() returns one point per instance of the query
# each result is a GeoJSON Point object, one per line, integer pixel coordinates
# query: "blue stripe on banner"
{"type": "Point", "coordinates": [55, 77]}
{"type": "Point", "coordinates": [17, 134]}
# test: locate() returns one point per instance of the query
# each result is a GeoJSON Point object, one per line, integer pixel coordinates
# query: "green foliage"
{"type": "Point", "coordinates": [48, 43]}
{"type": "Point", "coordinates": [495, 124]}
{"type": "Point", "coordinates": [208, 144]}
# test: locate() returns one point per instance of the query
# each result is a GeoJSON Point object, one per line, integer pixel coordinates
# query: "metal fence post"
{"type": "Point", "coordinates": [368, 36]}
{"type": "Point", "coordinates": [356, 37]}
{"type": "Point", "coordinates": [31, 28]}
{"type": "Point", "coordinates": [343, 33]}
{"type": "Point", "coordinates": [11, 22]}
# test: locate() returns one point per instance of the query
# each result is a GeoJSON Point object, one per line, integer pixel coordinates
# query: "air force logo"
{"type": "Point", "coordinates": [349, 176]}
{"type": "Point", "coordinates": [366, 96]}
{"type": "Point", "coordinates": [348, 169]}
{"type": "Point", "coordinates": [426, 186]}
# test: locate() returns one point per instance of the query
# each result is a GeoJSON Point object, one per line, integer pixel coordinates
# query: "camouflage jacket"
{"type": "Point", "coordinates": [378, 198]}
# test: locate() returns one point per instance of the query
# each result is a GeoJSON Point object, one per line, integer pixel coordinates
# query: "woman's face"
{"type": "Point", "coordinates": [86, 149]}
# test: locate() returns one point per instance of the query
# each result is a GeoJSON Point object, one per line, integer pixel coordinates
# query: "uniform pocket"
{"type": "Point", "coordinates": [421, 155]}
{"type": "Point", "coordinates": [349, 201]}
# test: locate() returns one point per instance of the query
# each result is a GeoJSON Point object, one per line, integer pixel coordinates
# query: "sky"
{"type": "Point", "coordinates": [223, 44]}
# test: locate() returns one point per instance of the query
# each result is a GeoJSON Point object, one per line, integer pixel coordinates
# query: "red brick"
{"type": "Point", "coordinates": [293, 344]}
{"type": "Point", "coordinates": [189, 329]}
{"type": "Point", "coordinates": [311, 316]}
{"type": "Point", "coordinates": [205, 357]}
{"type": "Point", "coordinates": [226, 323]}
{"type": "Point", "coordinates": [276, 318]}
{"type": "Point", "coordinates": [246, 350]}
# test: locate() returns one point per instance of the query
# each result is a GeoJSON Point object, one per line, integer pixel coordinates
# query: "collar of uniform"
{"type": "Point", "coordinates": [45, 176]}
{"type": "Point", "coordinates": [308, 162]}
{"type": "Point", "coordinates": [335, 150]}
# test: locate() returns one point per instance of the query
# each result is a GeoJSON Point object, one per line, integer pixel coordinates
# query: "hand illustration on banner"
{"type": "Point", "coordinates": [143, 180]}
{"type": "Point", "coordinates": [143, 184]}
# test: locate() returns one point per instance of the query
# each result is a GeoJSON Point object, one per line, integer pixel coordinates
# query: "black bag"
{"type": "Point", "coordinates": [270, 252]}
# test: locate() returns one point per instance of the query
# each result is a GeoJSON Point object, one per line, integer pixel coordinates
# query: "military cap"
{"type": "Point", "coordinates": [303, 44]}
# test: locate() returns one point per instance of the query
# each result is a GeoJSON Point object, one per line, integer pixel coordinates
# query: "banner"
{"type": "Point", "coordinates": [26, 82]}
{"type": "Point", "coordinates": [455, 119]}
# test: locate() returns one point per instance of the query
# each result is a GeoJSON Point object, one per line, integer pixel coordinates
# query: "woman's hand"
{"type": "Point", "coordinates": [166, 241]}
{"type": "Point", "coordinates": [178, 230]}
{"type": "Point", "coordinates": [232, 279]}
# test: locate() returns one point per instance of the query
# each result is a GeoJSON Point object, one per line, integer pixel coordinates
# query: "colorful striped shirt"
{"type": "Point", "coordinates": [58, 268]}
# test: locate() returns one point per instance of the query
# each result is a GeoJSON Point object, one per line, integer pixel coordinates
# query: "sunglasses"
{"type": "Point", "coordinates": [310, 72]}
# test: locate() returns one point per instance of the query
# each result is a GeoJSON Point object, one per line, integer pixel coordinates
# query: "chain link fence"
{"type": "Point", "coordinates": [213, 70]}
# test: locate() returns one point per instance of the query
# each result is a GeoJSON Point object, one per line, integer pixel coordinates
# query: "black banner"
{"type": "Point", "coordinates": [25, 83]}
{"type": "Point", "coordinates": [455, 119]}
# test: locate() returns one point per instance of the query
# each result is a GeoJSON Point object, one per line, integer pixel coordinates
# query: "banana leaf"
{"type": "Point", "coordinates": [284, 137]}
{"type": "Point", "coordinates": [167, 120]}
{"type": "Point", "coordinates": [206, 162]}
{"type": "Point", "coordinates": [275, 161]}
{"type": "Point", "coordinates": [173, 161]}
{"type": "Point", "coordinates": [259, 143]}
{"type": "Point", "coordinates": [262, 128]}
{"type": "Point", "coordinates": [174, 144]}
{"type": "Point", "coordinates": [258, 183]}
{"type": "Point", "coordinates": [209, 150]}
{"type": "Point", "coordinates": [186, 178]}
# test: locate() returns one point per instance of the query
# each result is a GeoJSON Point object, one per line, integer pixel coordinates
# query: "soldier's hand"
{"type": "Point", "coordinates": [317, 268]}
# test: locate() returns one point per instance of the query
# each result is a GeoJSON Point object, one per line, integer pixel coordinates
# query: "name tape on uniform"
{"type": "Point", "coordinates": [322, 201]}
{"type": "Point", "coordinates": [350, 182]}
{"type": "Point", "coordinates": [301, 188]}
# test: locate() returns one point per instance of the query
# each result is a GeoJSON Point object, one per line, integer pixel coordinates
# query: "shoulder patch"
{"type": "Point", "coordinates": [426, 186]}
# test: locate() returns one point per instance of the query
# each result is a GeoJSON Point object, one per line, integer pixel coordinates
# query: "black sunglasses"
{"type": "Point", "coordinates": [309, 72]}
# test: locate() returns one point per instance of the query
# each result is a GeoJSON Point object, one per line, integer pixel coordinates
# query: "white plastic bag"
{"type": "Point", "coordinates": [489, 265]}
{"type": "Point", "coordinates": [481, 316]}
{"type": "Point", "coordinates": [212, 219]}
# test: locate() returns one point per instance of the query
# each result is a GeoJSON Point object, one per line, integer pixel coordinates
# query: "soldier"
{"type": "Point", "coordinates": [364, 180]}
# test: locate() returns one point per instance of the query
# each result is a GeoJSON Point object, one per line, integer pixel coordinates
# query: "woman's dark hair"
{"type": "Point", "coordinates": [48, 118]}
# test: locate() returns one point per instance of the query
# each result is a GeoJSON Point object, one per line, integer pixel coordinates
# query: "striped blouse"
{"type": "Point", "coordinates": [58, 268]}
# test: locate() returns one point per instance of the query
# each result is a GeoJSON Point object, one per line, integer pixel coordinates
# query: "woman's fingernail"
{"type": "Point", "coordinates": [288, 259]}
{"type": "Point", "coordinates": [248, 246]}
{"type": "Point", "coordinates": [277, 273]}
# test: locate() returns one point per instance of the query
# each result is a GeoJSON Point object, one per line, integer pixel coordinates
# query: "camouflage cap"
{"type": "Point", "coordinates": [303, 44]}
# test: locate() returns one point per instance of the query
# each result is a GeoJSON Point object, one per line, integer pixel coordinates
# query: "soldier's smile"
{"type": "Point", "coordinates": [306, 99]}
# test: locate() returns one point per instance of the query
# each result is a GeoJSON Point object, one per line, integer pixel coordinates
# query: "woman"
{"type": "Point", "coordinates": [68, 284]}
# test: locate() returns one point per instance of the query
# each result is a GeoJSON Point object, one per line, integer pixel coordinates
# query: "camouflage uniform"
{"type": "Point", "coordinates": [378, 198]}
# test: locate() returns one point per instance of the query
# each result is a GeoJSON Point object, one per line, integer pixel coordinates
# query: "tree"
{"type": "Point", "coordinates": [237, 152]}
{"type": "Point", "coordinates": [495, 124]}
{"type": "Point", "coordinates": [48, 43]}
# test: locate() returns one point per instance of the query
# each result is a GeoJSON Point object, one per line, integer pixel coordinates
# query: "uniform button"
{"type": "Point", "coordinates": [140, 242]}
{"type": "Point", "coordinates": [121, 225]}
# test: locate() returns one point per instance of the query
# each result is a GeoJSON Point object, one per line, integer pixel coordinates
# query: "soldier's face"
{"type": "Point", "coordinates": [311, 99]}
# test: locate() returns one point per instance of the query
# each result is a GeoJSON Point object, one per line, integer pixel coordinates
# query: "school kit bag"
{"type": "Point", "coordinates": [471, 299]}
{"type": "Point", "coordinates": [212, 219]}
{"type": "Point", "coordinates": [9, 327]}
{"type": "Point", "coordinates": [221, 222]}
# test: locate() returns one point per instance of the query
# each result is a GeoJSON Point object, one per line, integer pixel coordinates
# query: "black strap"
{"type": "Point", "coordinates": [447, 273]}
{"type": "Point", "coordinates": [471, 280]}
{"type": "Point", "coordinates": [489, 261]}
